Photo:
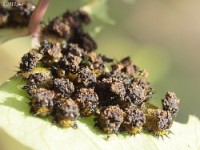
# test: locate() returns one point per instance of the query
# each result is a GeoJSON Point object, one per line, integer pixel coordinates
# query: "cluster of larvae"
{"type": "Point", "coordinates": [15, 13]}
{"type": "Point", "coordinates": [67, 79]}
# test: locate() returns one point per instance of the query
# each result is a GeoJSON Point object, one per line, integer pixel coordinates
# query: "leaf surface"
{"type": "Point", "coordinates": [38, 133]}
{"type": "Point", "coordinates": [11, 33]}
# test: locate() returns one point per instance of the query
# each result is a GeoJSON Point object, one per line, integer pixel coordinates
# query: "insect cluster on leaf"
{"type": "Point", "coordinates": [67, 79]}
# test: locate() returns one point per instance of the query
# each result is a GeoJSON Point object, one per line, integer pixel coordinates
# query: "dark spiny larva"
{"type": "Point", "coordinates": [66, 113]}
{"type": "Point", "coordinates": [87, 100]}
{"type": "Point", "coordinates": [133, 120]}
{"type": "Point", "coordinates": [170, 103]}
{"type": "Point", "coordinates": [110, 119]}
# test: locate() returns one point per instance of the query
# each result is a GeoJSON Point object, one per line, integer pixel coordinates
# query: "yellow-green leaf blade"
{"type": "Point", "coordinates": [40, 134]}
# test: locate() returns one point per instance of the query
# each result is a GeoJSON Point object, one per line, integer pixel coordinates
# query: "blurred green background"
{"type": "Point", "coordinates": [161, 36]}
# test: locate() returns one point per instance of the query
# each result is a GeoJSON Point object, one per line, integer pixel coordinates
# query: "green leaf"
{"type": "Point", "coordinates": [99, 9]}
{"type": "Point", "coordinates": [40, 134]}
{"type": "Point", "coordinates": [155, 60]}
{"type": "Point", "coordinates": [17, 47]}
{"type": "Point", "coordinates": [10, 54]}
{"type": "Point", "coordinates": [129, 1]}
{"type": "Point", "coordinates": [11, 33]}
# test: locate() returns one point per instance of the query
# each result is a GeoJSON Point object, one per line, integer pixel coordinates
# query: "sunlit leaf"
{"type": "Point", "coordinates": [16, 47]}
{"type": "Point", "coordinates": [40, 134]}
{"type": "Point", "coordinates": [10, 55]}
{"type": "Point", "coordinates": [11, 33]}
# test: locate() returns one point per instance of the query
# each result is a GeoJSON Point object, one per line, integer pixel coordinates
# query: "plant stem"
{"type": "Point", "coordinates": [36, 18]}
